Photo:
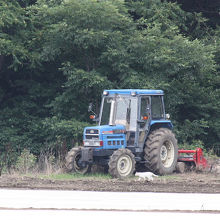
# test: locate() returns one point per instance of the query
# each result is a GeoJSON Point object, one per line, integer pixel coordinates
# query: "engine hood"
{"type": "Point", "coordinates": [103, 128]}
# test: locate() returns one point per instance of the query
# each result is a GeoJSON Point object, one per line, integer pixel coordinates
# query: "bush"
{"type": "Point", "coordinates": [25, 162]}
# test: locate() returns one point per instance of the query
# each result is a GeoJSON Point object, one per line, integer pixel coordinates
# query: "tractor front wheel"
{"type": "Point", "coordinates": [72, 162]}
{"type": "Point", "coordinates": [121, 163]}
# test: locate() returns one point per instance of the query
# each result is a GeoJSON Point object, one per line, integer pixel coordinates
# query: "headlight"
{"type": "Point", "coordinates": [105, 93]}
{"type": "Point", "coordinates": [133, 93]}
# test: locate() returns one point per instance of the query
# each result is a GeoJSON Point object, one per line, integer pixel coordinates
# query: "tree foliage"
{"type": "Point", "coordinates": [56, 56]}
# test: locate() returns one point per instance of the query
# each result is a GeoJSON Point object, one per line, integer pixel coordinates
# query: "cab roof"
{"type": "Point", "coordinates": [137, 91]}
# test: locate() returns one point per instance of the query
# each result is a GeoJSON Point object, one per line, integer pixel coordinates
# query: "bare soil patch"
{"type": "Point", "coordinates": [180, 183]}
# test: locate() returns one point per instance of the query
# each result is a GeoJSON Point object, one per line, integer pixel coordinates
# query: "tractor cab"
{"type": "Point", "coordinates": [126, 117]}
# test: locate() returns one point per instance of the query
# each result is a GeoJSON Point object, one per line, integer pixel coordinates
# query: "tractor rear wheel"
{"type": "Point", "coordinates": [72, 162]}
{"type": "Point", "coordinates": [161, 151]}
{"type": "Point", "coordinates": [121, 163]}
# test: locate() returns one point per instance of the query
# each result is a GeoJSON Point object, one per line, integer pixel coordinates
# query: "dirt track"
{"type": "Point", "coordinates": [188, 182]}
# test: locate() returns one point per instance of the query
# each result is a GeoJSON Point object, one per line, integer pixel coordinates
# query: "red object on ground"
{"type": "Point", "coordinates": [193, 156]}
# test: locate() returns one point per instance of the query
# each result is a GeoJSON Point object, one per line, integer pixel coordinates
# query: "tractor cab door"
{"type": "Point", "coordinates": [143, 120]}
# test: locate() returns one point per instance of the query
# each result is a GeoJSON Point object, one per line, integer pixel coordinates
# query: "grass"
{"type": "Point", "coordinates": [90, 176]}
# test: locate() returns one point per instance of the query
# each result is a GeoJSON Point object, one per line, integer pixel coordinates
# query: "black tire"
{"type": "Point", "coordinates": [161, 151]}
{"type": "Point", "coordinates": [121, 163]}
{"type": "Point", "coordinates": [72, 159]}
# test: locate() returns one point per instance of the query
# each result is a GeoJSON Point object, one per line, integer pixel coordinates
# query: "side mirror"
{"type": "Point", "coordinates": [90, 107]}
{"type": "Point", "coordinates": [93, 117]}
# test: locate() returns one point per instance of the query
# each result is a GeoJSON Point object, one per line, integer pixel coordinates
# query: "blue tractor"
{"type": "Point", "coordinates": [133, 133]}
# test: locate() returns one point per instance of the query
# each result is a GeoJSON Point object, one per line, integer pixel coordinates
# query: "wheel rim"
{"type": "Point", "coordinates": [124, 165]}
{"type": "Point", "coordinates": [167, 154]}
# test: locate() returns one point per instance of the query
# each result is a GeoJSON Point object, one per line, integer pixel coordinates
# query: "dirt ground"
{"type": "Point", "coordinates": [191, 182]}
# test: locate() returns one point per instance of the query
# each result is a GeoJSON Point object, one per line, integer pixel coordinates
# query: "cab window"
{"type": "Point", "coordinates": [157, 107]}
{"type": "Point", "coordinates": [145, 106]}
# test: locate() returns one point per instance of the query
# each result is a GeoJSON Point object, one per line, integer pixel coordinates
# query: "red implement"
{"type": "Point", "coordinates": [193, 157]}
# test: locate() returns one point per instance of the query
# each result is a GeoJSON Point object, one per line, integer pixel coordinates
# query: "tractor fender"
{"type": "Point", "coordinates": [155, 124]}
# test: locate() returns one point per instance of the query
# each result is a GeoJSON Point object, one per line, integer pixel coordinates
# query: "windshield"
{"type": "Point", "coordinates": [119, 110]}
